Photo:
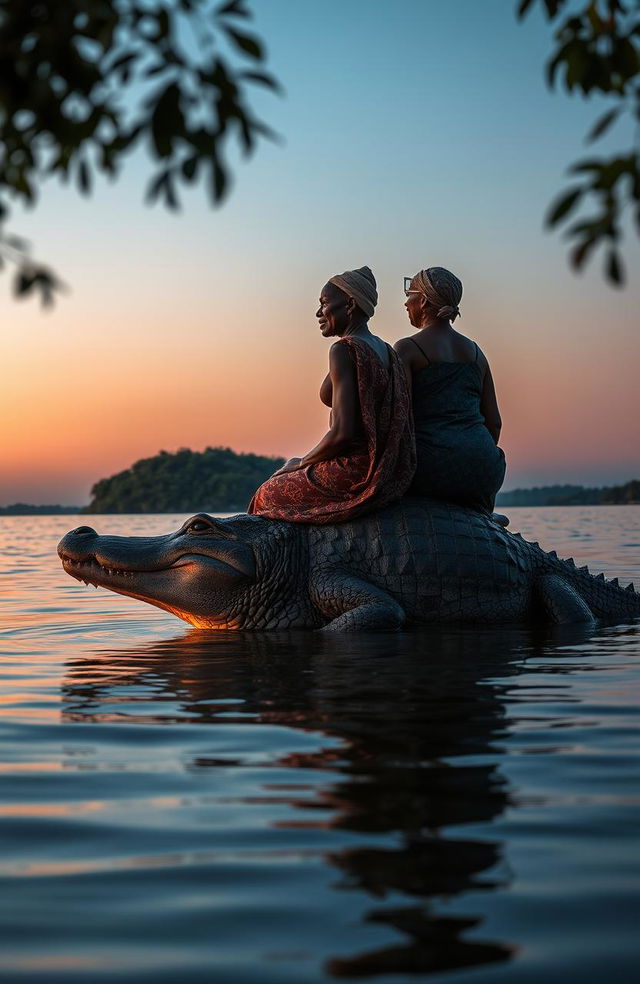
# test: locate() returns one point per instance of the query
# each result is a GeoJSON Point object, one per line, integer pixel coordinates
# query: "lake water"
{"type": "Point", "coordinates": [191, 807]}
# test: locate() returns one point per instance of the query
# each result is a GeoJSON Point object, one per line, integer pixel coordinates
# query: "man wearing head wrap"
{"type": "Point", "coordinates": [367, 457]}
{"type": "Point", "coordinates": [456, 417]}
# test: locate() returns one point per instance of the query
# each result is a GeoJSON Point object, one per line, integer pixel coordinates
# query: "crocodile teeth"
{"type": "Point", "coordinates": [630, 587]}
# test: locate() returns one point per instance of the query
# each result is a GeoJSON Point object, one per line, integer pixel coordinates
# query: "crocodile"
{"type": "Point", "coordinates": [414, 562]}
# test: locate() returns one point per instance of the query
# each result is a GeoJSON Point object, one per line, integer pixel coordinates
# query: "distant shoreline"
{"type": "Point", "coordinates": [27, 509]}
{"type": "Point", "coordinates": [219, 480]}
{"type": "Point", "coordinates": [518, 498]}
{"type": "Point", "coordinates": [571, 495]}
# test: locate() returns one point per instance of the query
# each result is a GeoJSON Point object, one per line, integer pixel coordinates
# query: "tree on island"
{"type": "Point", "coordinates": [571, 495]}
{"type": "Point", "coordinates": [86, 82]}
{"type": "Point", "coordinates": [221, 480]}
{"type": "Point", "coordinates": [622, 495]}
{"type": "Point", "coordinates": [214, 480]}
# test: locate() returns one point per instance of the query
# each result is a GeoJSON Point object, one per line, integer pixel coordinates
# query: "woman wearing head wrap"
{"type": "Point", "coordinates": [367, 457]}
{"type": "Point", "coordinates": [457, 422]}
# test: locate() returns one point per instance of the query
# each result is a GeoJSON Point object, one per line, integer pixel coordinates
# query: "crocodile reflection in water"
{"type": "Point", "coordinates": [405, 723]}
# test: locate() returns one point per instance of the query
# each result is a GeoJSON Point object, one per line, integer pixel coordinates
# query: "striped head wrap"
{"type": "Point", "coordinates": [361, 285]}
{"type": "Point", "coordinates": [442, 289]}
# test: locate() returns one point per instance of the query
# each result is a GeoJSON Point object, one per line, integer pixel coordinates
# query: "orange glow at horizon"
{"type": "Point", "coordinates": [107, 405]}
{"type": "Point", "coordinates": [84, 397]}
{"type": "Point", "coordinates": [80, 405]}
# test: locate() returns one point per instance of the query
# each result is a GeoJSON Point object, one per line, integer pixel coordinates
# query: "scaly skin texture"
{"type": "Point", "coordinates": [411, 563]}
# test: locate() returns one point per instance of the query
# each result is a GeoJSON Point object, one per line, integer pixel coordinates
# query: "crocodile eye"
{"type": "Point", "coordinates": [203, 524]}
{"type": "Point", "coordinates": [198, 526]}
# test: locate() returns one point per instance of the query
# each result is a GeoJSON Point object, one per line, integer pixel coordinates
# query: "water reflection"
{"type": "Point", "coordinates": [415, 723]}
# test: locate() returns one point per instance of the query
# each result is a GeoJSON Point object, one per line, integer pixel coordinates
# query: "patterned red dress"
{"type": "Point", "coordinates": [377, 471]}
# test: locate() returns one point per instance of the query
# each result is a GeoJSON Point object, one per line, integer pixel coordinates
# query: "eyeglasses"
{"type": "Point", "coordinates": [407, 287]}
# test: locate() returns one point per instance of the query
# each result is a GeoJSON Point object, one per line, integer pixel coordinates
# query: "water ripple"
{"type": "Point", "coordinates": [179, 806]}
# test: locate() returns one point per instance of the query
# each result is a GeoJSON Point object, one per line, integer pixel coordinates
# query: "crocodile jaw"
{"type": "Point", "coordinates": [155, 587]}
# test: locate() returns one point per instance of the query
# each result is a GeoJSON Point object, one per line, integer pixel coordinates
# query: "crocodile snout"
{"type": "Point", "coordinates": [82, 531]}
{"type": "Point", "coordinates": [74, 544]}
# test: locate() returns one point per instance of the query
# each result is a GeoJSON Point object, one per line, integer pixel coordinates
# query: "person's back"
{"type": "Point", "coordinates": [457, 422]}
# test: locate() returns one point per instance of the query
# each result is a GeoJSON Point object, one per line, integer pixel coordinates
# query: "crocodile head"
{"type": "Point", "coordinates": [203, 573]}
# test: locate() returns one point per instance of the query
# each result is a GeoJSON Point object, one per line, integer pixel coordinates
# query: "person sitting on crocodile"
{"type": "Point", "coordinates": [455, 410]}
{"type": "Point", "coordinates": [367, 457]}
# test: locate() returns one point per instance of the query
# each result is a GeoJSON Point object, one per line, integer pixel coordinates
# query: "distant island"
{"type": "Point", "coordinates": [572, 495]}
{"type": "Point", "coordinates": [221, 480]}
{"type": "Point", "coordinates": [26, 509]}
{"type": "Point", "coordinates": [214, 480]}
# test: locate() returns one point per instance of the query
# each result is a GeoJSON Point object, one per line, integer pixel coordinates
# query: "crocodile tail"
{"type": "Point", "coordinates": [606, 599]}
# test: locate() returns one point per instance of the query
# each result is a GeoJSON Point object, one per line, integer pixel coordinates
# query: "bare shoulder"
{"type": "Point", "coordinates": [405, 349]}
{"type": "Point", "coordinates": [340, 358]}
{"type": "Point", "coordinates": [403, 345]}
{"type": "Point", "coordinates": [475, 351]}
{"type": "Point", "coordinates": [482, 361]}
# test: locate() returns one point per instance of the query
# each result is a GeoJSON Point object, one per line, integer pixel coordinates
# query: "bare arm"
{"type": "Point", "coordinates": [345, 412]}
{"type": "Point", "coordinates": [406, 350]}
{"type": "Point", "coordinates": [489, 406]}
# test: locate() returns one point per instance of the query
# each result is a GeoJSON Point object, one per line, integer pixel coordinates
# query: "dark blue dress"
{"type": "Point", "coordinates": [457, 458]}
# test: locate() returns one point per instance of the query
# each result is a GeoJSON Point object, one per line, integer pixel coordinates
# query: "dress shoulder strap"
{"type": "Point", "coordinates": [420, 349]}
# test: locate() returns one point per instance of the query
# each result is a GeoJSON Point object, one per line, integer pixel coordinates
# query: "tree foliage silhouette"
{"type": "Point", "coordinates": [85, 82]}
{"type": "Point", "coordinates": [213, 480]}
{"type": "Point", "coordinates": [598, 51]}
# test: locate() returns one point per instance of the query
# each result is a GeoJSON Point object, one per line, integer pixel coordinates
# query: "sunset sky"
{"type": "Point", "coordinates": [416, 133]}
